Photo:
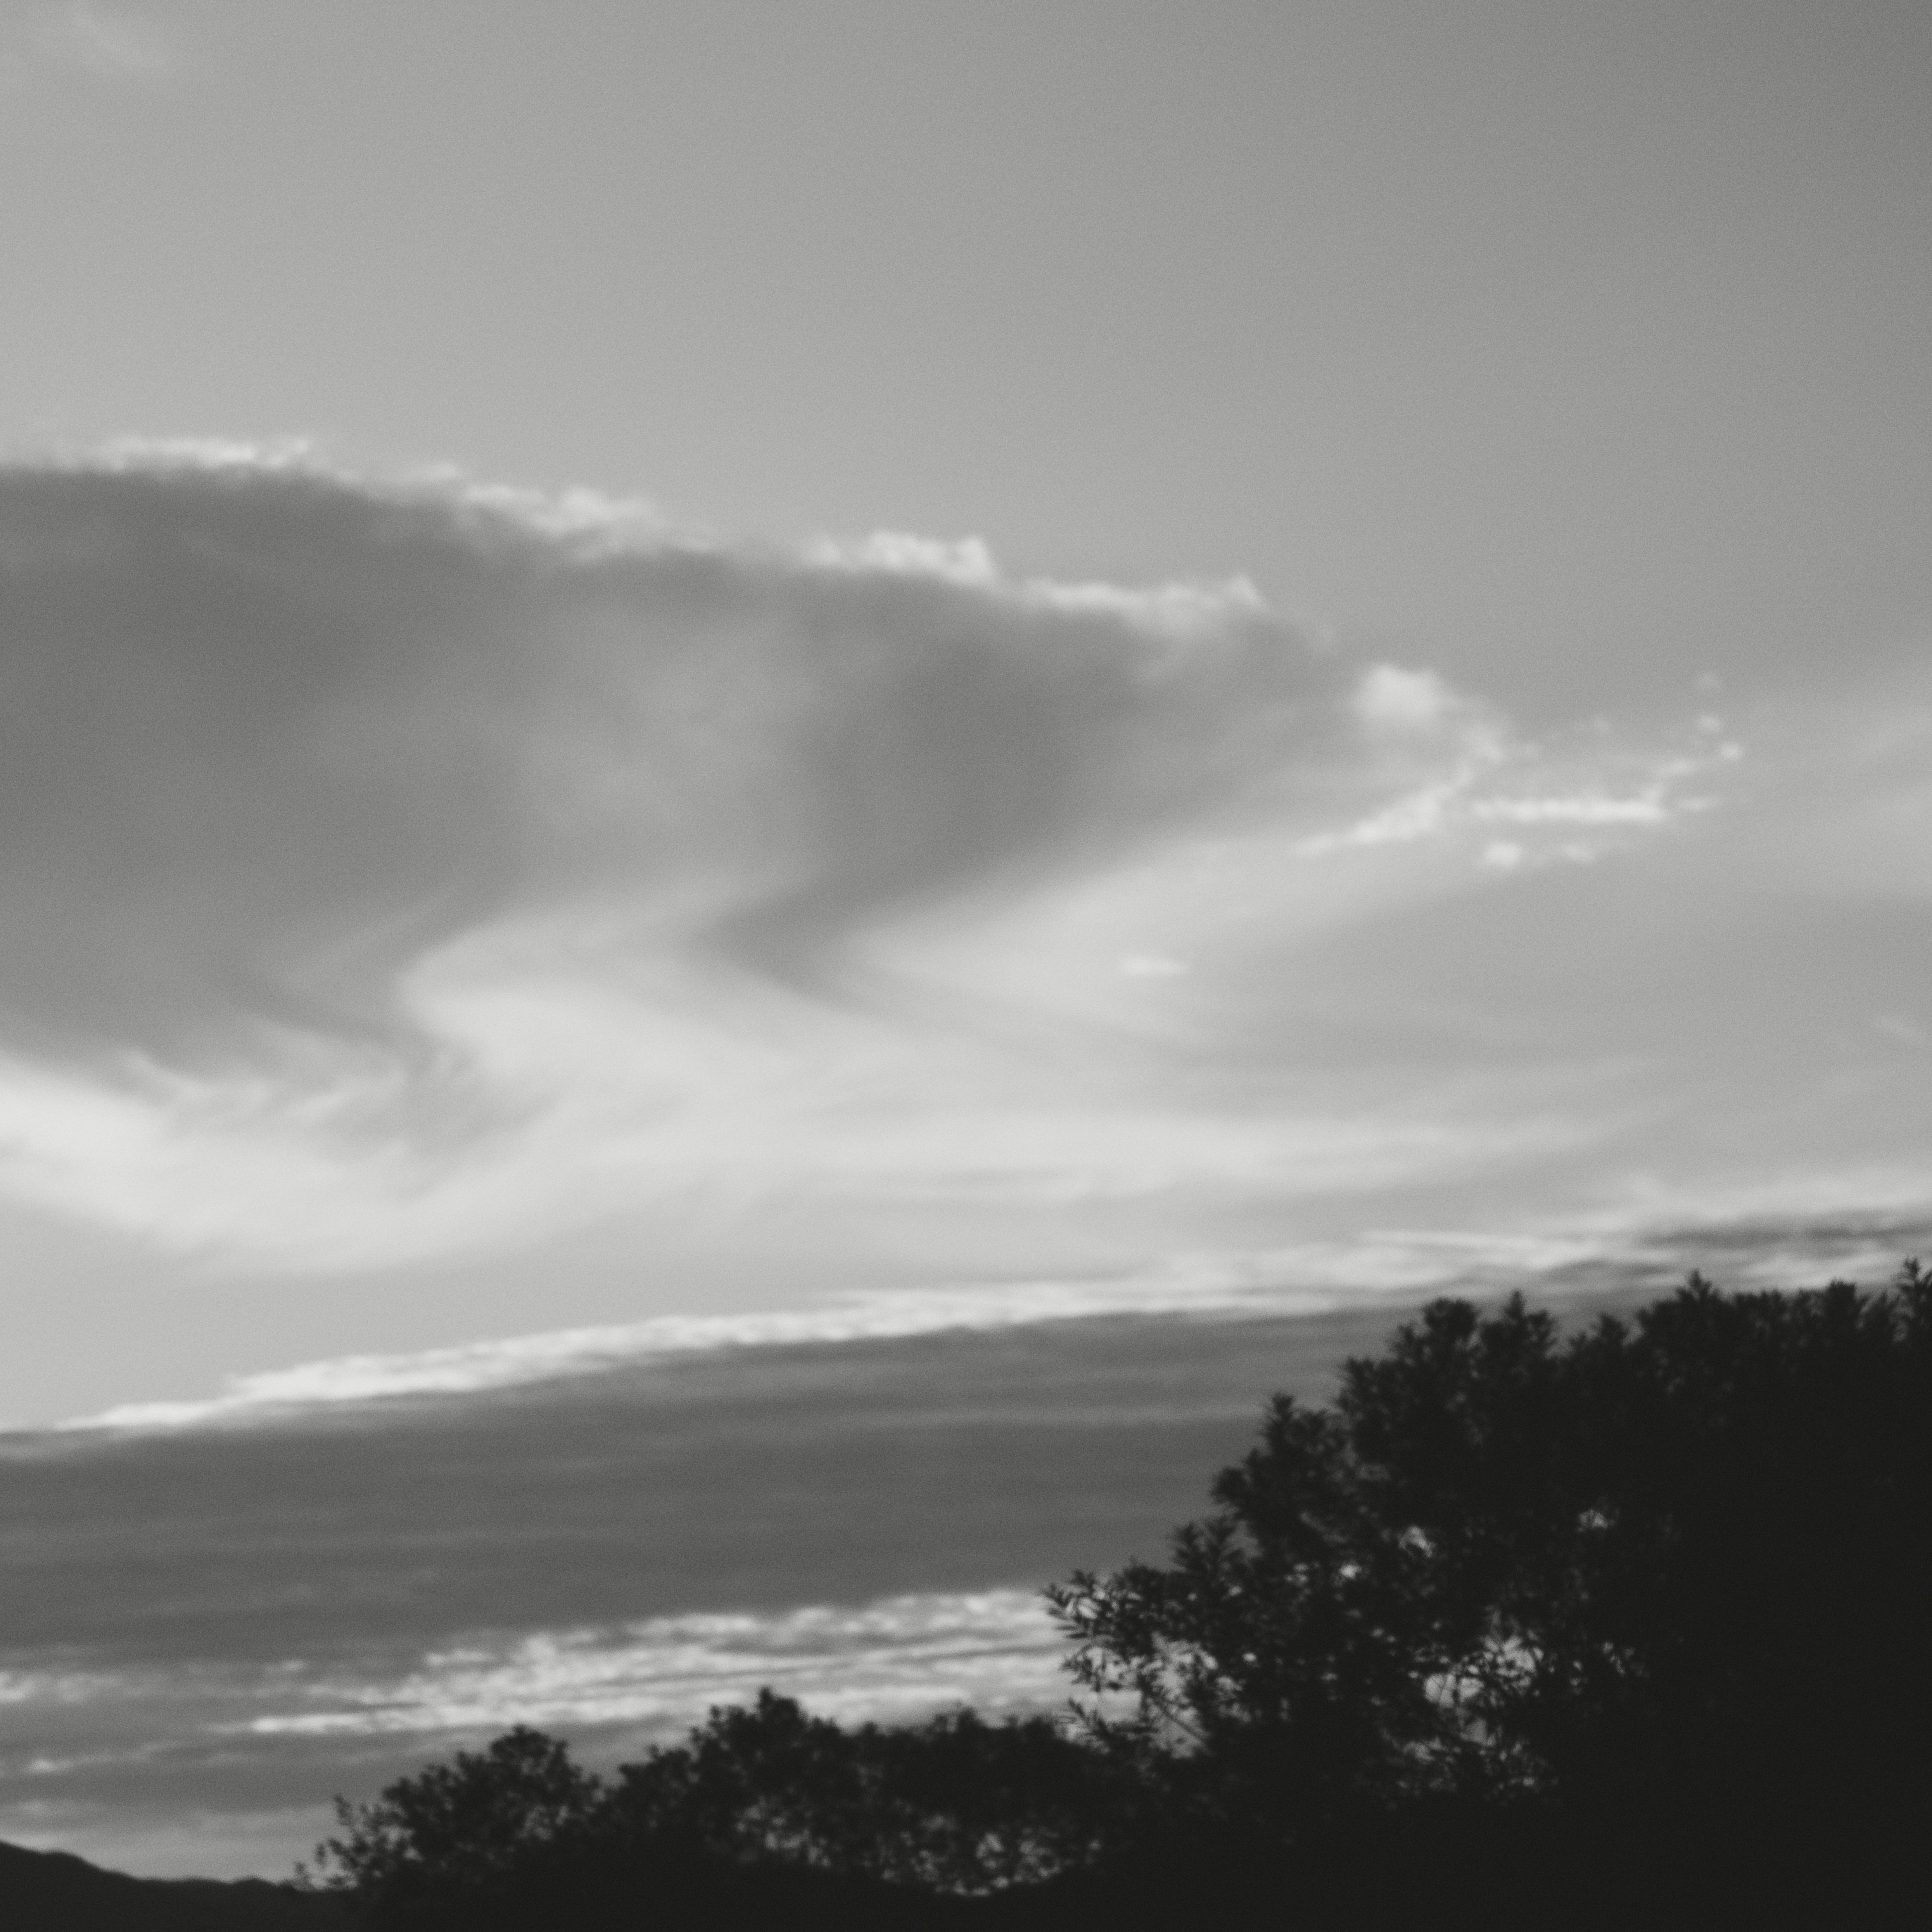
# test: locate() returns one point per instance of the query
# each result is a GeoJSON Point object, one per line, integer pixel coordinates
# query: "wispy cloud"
{"type": "Point", "coordinates": [395, 868]}
{"type": "Point", "coordinates": [1306, 1280]}
{"type": "Point", "coordinates": [408, 869]}
{"type": "Point", "coordinates": [85, 44]}
{"type": "Point", "coordinates": [310, 731]}
{"type": "Point", "coordinates": [1780, 1233]}
{"type": "Point", "coordinates": [217, 1767]}
{"type": "Point", "coordinates": [115, 43]}
{"type": "Point", "coordinates": [899, 1657]}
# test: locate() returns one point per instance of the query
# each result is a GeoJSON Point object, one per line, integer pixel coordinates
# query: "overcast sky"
{"type": "Point", "coordinates": [676, 663]}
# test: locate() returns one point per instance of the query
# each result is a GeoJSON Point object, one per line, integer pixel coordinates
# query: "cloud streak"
{"type": "Point", "coordinates": [222, 1754]}
{"type": "Point", "coordinates": [897, 1658]}
{"type": "Point", "coordinates": [1761, 1238]}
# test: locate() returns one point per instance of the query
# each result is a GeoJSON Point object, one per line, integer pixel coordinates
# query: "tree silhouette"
{"type": "Point", "coordinates": [1679, 1569]}
{"type": "Point", "coordinates": [955, 1806]}
{"type": "Point", "coordinates": [463, 1826]}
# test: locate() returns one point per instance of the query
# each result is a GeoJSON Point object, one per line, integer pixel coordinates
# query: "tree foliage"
{"type": "Point", "coordinates": [465, 1824]}
{"type": "Point", "coordinates": [1690, 1556]}
{"type": "Point", "coordinates": [957, 1805]}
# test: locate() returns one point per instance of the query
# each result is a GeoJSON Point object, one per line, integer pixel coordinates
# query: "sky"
{"type": "Point", "coordinates": [679, 682]}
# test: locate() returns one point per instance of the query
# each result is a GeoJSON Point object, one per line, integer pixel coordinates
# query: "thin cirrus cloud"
{"type": "Point", "coordinates": [899, 1656]}
{"type": "Point", "coordinates": [96, 46]}
{"type": "Point", "coordinates": [398, 870]}
{"type": "Point", "coordinates": [1766, 1240]}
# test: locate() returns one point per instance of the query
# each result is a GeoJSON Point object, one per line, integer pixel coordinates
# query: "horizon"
{"type": "Point", "coordinates": [692, 695]}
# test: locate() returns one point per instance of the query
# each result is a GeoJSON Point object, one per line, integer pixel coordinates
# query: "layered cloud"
{"type": "Point", "coordinates": [404, 870]}
{"type": "Point", "coordinates": [339, 821]}
{"type": "Point", "coordinates": [273, 739]}
{"type": "Point", "coordinates": [208, 1759]}
{"type": "Point", "coordinates": [897, 1658]}
{"type": "Point", "coordinates": [386, 867]}
{"type": "Point", "coordinates": [1765, 1240]}
{"type": "Point", "coordinates": [209, 1623]}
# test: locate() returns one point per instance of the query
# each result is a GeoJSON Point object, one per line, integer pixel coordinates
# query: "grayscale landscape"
{"type": "Point", "coordinates": [782, 788]}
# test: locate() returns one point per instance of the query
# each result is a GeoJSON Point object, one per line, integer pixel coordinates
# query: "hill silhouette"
{"type": "Point", "coordinates": [54, 1892]}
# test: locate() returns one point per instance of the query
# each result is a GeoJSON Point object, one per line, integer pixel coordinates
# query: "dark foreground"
{"type": "Point", "coordinates": [51, 1891]}
{"type": "Point", "coordinates": [1435, 1880]}
{"type": "Point", "coordinates": [1622, 1629]}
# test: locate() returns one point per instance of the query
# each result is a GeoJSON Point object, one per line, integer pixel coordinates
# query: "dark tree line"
{"type": "Point", "coordinates": [1630, 1625]}
{"type": "Point", "coordinates": [955, 1806]}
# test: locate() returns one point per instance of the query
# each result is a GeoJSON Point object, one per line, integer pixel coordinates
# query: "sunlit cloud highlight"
{"type": "Point", "coordinates": [900, 1658]}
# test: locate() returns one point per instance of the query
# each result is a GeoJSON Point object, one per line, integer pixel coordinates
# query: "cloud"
{"type": "Point", "coordinates": [1249, 1284]}
{"type": "Point", "coordinates": [286, 756]}
{"type": "Point", "coordinates": [1391, 698]}
{"type": "Point", "coordinates": [408, 869]}
{"type": "Point", "coordinates": [116, 47]}
{"type": "Point", "coordinates": [183, 1769]}
{"type": "Point", "coordinates": [1580, 785]}
{"type": "Point", "coordinates": [1779, 1234]}
{"type": "Point", "coordinates": [286, 734]}
{"type": "Point", "coordinates": [376, 854]}
{"type": "Point", "coordinates": [896, 1659]}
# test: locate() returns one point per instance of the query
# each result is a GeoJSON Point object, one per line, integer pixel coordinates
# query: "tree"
{"type": "Point", "coordinates": [1679, 1568]}
{"type": "Point", "coordinates": [808, 1813]}
{"type": "Point", "coordinates": [459, 1827]}
{"type": "Point", "coordinates": [955, 1805]}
